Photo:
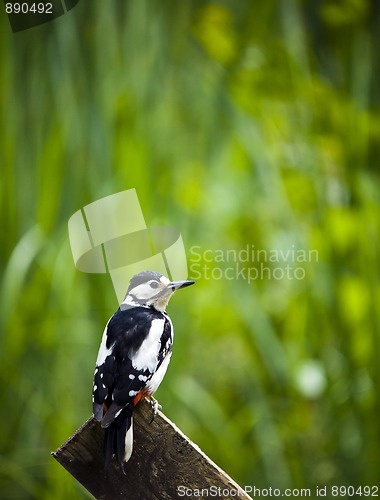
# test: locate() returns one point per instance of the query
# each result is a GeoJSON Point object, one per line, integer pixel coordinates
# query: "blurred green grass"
{"type": "Point", "coordinates": [239, 124]}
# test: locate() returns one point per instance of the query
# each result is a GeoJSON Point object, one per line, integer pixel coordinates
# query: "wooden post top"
{"type": "Point", "coordinates": [165, 464]}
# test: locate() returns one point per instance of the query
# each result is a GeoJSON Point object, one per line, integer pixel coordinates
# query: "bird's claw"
{"type": "Point", "coordinates": [156, 407]}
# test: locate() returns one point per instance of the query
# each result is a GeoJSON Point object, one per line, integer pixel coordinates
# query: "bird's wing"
{"type": "Point", "coordinates": [123, 369]}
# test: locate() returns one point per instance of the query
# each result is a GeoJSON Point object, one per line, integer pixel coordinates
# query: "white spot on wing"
{"type": "Point", "coordinates": [143, 378]}
{"type": "Point", "coordinates": [118, 412]}
{"type": "Point", "coordinates": [131, 376]}
{"type": "Point", "coordinates": [133, 393]}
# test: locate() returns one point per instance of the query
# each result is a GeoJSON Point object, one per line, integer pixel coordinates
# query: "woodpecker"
{"type": "Point", "coordinates": [133, 357]}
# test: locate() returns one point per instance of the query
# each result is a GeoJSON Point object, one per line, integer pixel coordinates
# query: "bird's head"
{"type": "Point", "coordinates": [151, 289]}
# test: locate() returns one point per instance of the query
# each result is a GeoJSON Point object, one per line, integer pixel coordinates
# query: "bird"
{"type": "Point", "coordinates": [133, 357]}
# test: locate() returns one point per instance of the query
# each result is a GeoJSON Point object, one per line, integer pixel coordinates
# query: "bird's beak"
{"type": "Point", "coordinates": [176, 285]}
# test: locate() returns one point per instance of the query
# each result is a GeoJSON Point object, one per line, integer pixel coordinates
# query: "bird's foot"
{"type": "Point", "coordinates": [155, 406]}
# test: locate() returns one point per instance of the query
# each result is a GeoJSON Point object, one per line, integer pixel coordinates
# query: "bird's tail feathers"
{"type": "Point", "coordinates": [118, 438]}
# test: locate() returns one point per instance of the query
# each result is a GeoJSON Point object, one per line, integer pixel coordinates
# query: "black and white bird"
{"type": "Point", "coordinates": [133, 358]}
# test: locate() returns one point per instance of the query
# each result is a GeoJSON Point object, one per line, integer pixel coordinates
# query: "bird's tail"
{"type": "Point", "coordinates": [118, 438]}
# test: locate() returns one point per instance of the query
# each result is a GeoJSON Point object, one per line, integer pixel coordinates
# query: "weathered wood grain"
{"type": "Point", "coordinates": [164, 462]}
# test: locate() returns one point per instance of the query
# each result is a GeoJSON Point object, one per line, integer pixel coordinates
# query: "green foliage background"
{"type": "Point", "coordinates": [240, 123]}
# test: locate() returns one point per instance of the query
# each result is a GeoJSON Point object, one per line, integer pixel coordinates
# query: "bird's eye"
{"type": "Point", "coordinates": [154, 284]}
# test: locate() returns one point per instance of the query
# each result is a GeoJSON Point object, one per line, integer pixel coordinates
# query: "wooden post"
{"type": "Point", "coordinates": [165, 464]}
